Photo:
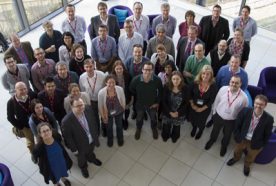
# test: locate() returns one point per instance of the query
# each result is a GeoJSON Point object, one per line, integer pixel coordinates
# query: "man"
{"type": "Point", "coordinates": [104, 50]}
{"type": "Point", "coordinates": [64, 77]}
{"type": "Point", "coordinates": [233, 68]}
{"type": "Point", "coordinates": [195, 63]}
{"type": "Point", "coordinates": [219, 56]}
{"type": "Point", "coordinates": [141, 23]}
{"type": "Point", "coordinates": [3, 43]}
{"type": "Point", "coordinates": [213, 29]}
{"type": "Point", "coordinates": [160, 38]}
{"type": "Point", "coordinates": [135, 63]}
{"type": "Point", "coordinates": [109, 20]}
{"type": "Point", "coordinates": [41, 69]}
{"type": "Point", "coordinates": [15, 73]}
{"type": "Point", "coordinates": [252, 131]}
{"type": "Point", "coordinates": [128, 40]}
{"type": "Point", "coordinates": [75, 24]}
{"type": "Point", "coordinates": [18, 111]}
{"type": "Point", "coordinates": [50, 41]}
{"type": "Point", "coordinates": [167, 20]}
{"type": "Point", "coordinates": [246, 23]}
{"type": "Point", "coordinates": [81, 134]}
{"type": "Point", "coordinates": [147, 88]}
{"type": "Point", "coordinates": [21, 51]}
{"type": "Point", "coordinates": [229, 101]}
{"type": "Point", "coordinates": [91, 81]}
{"type": "Point", "coordinates": [52, 98]}
{"type": "Point", "coordinates": [185, 47]}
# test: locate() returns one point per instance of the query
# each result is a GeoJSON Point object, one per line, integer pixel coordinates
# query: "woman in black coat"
{"type": "Point", "coordinates": [52, 158]}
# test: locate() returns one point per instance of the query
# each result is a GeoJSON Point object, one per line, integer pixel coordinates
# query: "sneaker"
{"type": "Point", "coordinates": [137, 134]}
{"type": "Point", "coordinates": [85, 173]}
{"type": "Point", "coordinates": [208, 145]}
{"type": "Point", "coordinates": [231, 162]}
{"type": "Point", "coordinates": [154, 133]}
{"type": "Point", "coordinates": [246, 171]}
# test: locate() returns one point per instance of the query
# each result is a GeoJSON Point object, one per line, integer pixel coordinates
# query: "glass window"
{"type": "Point", "coordinates": [8, 16]}
{"type": "Point", "coordinates": [37, 9]}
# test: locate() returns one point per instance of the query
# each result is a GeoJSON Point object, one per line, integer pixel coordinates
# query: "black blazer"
{"type": "Point", "coordinates": [261, 133]}
{"type": "Point", "coordinates": [216, 63]}
{"type": "Point", "coordinates": [112, 24]}
{"type": "Point", "coordinates": [181, 46]}
{"type": "Point", "coordinates": [75, 136]}
{"type": "Point", "coordinates": [245, 52]}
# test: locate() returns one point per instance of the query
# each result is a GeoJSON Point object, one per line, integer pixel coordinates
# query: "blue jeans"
{"type": "Point", "coordinates": [119, 127]}
{"type": "Point", "coordinates": [140, 117]}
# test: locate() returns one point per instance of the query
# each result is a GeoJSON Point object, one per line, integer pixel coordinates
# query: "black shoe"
{"type": "Point", "coordinates": [145, 116]}
{"type": "Point", "coordinates": [223, 151]}
{"type": "Point", "coordinates": [210, 123]}
{"type": "Point", "coordinates": [154, 133]}
{"type": "Point", "coordinates": [120, 143]}
{"type": "Point", "coordinates": [104, 132]}
{"type": "Point", "coordinates": [137, 134]}
{"type": "Point", "coordinates": [198, 135]}
{"type": "Point", "coordinates": [208, 145]}
{"type": "Point", "coordinates": [97, 162]}
{"type": "Point", "coordinates": [66, 182]}
{"type": "Point", "coordinates": [231, 162]}
{"type": "Point", "coordinates": [174, 140]}
{"type": "Point", "coordinates": [246, 171]}
{"type": "Point", "coordinates": [165, 139]}
{"type": "Point", "coordinates": [85, 173]}
{"type": "Point", "coordinates": [125, 124]}
{"type": "Point", "coordinates": [109, 143]}
{"type": "Point", "coordinates": [133, 115]}
{"type": "Point", "coordinates": [34, 160]}
{"type": "Point", "coordinates": [193, 132]}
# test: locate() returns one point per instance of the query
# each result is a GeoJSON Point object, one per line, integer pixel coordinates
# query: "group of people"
{"type": "Point", "coordinates": [60, 93]}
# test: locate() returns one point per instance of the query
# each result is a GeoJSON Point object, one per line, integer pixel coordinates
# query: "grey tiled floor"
{"type": "Point", "coordinates": [148, 161]}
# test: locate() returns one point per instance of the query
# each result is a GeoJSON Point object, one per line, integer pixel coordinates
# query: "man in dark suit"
{"type": "Point", "coordinates": [52, 98]}
{"type": "Point", "coordinates": [107, 19]}
{"type": "Point", "coordinates": [185, 47]}
{"type": "Point", "coordinates": [22, 52]}
{"type": "Point", "coordinates": [252, 131]}
{"type": "Point", "coordinates": [213, 29]}
{"type": "Point", "coordinates": [81, 134]}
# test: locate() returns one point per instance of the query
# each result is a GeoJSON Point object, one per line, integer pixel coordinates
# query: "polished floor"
{"type": "Point", "coordinates": [148, 161]}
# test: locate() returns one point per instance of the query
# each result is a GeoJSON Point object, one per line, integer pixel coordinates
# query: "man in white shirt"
{"type": "Point", "coordinates": [228, 103]}
{"type": "Point", "coordinates": [91, 82]}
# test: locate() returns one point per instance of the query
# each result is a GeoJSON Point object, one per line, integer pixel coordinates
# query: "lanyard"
{"type": "Point", "coordinates": [254, 122]}
{"type": "Point", "coordinates": [137, 28]}
{"type": "Point", "coordinates": [230, 103]}
{"type": "Point", "coordinates": [202, 90]}
{"type": "Point", "coordinates": [83, 122]}
{"type": "Point", "coordinates": [74, 29]}
{"type": "Point", "coordinates": [94, 84]}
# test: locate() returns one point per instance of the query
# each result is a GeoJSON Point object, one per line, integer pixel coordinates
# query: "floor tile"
{"type": "Point", "coordinates": [139, 175]}
{"type": "Point", "coordinates": [230, 176]}
{"type": "Point", "coordinates": [122, 183]}
{"type": "Point", "coordinates": [166, 147]}
{"type": "Point", "coordinates": [209, 165]}
{"type": "Point", "coordinates": [195, 178]}
{"type": "Point", "coordinates": [119, 164]}
{"type": "Point", "coordinates": [26, 165]}
{"type": "Point", "coordinates": [264, 173]}
{"type": "Point", "coordinates": [175, 171]}
{"type": "Point", "coordinates": [153, 159]}
{"type": "Point", "coordinates": [250, 181]}
{"type": "Point", "coordinates": [161, 181]}
{"type": "Point", "coordinates": [30, 182]}
{"type": "Point", "coordinates": [18, 176]}
{"type": "Point", "coordinates": [13, 150]}
{"type": "Point", "coordinates": [38, 178]}
{"type": "Point", "coordinates": [104, 178]}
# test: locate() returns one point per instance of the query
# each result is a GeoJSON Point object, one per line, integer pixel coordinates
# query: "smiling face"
{"type": "Point", "coordinates": [10, 64]}
{"type": "Point", "coordinates": [102, 11]}
{"type": "Point", "coordinates": [45, 133]}
{"type": "Point", "coordinates": [119, 70]}
{"type": "Point", "coordinates": [75, 92]}
{"type": "Point", "coordinates": [137, 8]}
{"type": "Point", "coordinates": [68, 40]}
{"type": "Point", "coordinates": [206, 76]}
{"type": "Point", "coordinates": [235, 84]}
{"type": "Point", "coordinates": [259, 106]}
{"type": "Point", "coordinates": [50, 87]}
{"type": "Point", "coordinates": [79, 53]}
{"type": "Point", "coordinates": [110, 83]}
{"type": "Point", "coordinates": [38, 109]}
{"type": "Point", "coordinates": [78, 106]}
{"type": "Point", "coordinates": [62, 71]}
{"type": "Point", "coordinates": [70, 11]}
{"type": "Point", "coordinates": [137, 53]}
{"type": "Point", "coordinates": [39, 55]}
{"type": "Point", "coordinates": [176, 80]}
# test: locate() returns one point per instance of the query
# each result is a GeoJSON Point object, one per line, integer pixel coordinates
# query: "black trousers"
{"type": "Point", "coordinates": [88, 155]}
{"type": "Point", "coordinates": [228, 127]}
{"type": "Point", "coordinates": [170, 130]}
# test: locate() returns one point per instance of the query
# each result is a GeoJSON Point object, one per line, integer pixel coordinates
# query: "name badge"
{"type": "Point", "coordinates": [199, 101]}
{"type": "Point", "coordinates": [112, 112]}
{"type": "Point", "coordinates": [227, 110]}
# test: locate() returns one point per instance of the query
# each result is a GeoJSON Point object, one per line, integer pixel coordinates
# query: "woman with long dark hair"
{"type": "Point", "coordinates": [65, 49]}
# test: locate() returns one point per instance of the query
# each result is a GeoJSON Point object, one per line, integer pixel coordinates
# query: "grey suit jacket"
{"type": "Point", "coordinates": [75, 136]}
{"type": "Point", "coordinates": [112, 24]}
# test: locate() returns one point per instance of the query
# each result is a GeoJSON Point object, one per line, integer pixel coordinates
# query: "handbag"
{"type": "Point", "coordinates": [17, 132]}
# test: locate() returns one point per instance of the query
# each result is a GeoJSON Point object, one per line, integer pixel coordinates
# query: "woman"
{"type": "Point", "coordinates": [112, 103]}
{"type": "Point", "coordinates": [159, 58]}
{"type": "Point", "coordinates": [75, 93]}
{"type": "Point", "coordinates": [78, 57]}
{"type": "Point", "coordinates": [65, 49]}
{"type": "Point", "coordinates": [237, 46]}
{"type": "Point", "coordinates": [175, 101]}
{"type": "Point", "coordinates": [53, 160]}
{"type": "Point", "coordinates": [123, 80]}
{"type": "Point", "coordinates": [189, 20]}
{"type": "Point", "coordinates": [202, 95]}
{"type": "Point", "coordinates": [40, 114]}
{"type": "Point", "coordinates": [166, 74]}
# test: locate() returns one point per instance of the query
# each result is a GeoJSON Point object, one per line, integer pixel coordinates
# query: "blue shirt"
{"type": "Point", "coordinates": [77, 27]}
{"type": "Point", "coordinates": [170, 25]}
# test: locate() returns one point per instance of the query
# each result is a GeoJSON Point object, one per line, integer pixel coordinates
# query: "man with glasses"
{"type": "Point", "coordinates": [229, 101]}
{"type": "Point", "coordinates": [81, 134]}
{"type": "Point", "coordinates": [213, 29]}
{"type": "Point", "coordinates": [15, 73]}
{"type": "Point", "coordinates": [147, 88]}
